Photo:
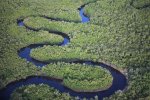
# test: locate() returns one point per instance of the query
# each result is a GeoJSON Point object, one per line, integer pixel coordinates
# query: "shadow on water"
{"type": "Point", "coordinates": [119, 80]}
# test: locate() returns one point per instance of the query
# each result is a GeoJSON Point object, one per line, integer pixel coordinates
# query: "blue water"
{"type": "Point", "coordinates": [65, 42]}
{"type": "Point", "coordinates": [20, 23]}
{"type": "Point", "coordinates": [119, 80]}
{"type": "Point", "coordinates": [84, 18]}
{"type": "Point", "coordinates": [25, 54]}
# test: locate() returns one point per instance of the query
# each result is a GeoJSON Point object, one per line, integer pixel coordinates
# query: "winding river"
{"type": "Point", "coordinates": [119, 80]}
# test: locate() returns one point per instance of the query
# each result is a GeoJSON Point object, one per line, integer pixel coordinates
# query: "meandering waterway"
{"type": "Point", "coordinates": [119, 80]}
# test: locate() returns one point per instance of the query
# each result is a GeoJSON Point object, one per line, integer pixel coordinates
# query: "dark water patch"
{"type": "Point", "coordinates": [20, 23]}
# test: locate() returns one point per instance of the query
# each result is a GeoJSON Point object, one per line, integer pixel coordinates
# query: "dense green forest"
{"type": "Point", "coordinates": [80, 77]}
{"type": "Point", "coordinates": [118, 33]}
{"type": "Point", "coordinates": [39, 92]}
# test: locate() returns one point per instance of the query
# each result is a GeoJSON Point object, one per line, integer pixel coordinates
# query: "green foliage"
{"type": "Point", "coordinates": [28, 36]}
{"type": "Point", "coordinates": [80, 77]}
{"type": "Point", "coordinates": [57, 53]}
{"type": "Point", "coordinates": [39, 92]}
{"type": "Point", "coordinates": [141, 3]}
{"type": "Point", "coordinates": [118, 32]}
{"type": "Point", "coordinates": [14, 37]}
{"type": "Point", "coordinates": [129, 26]}
{"type": "Point", "coordinates": [138, 88]}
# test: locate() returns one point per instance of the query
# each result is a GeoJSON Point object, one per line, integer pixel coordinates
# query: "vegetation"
{"type": "Point", "coordinates": [132, 26]}
{"type": "Point", "coordinates": [39, 92]}
{"type": "Point", "coordinates": [80, 77]}
{"type": "Point", "coordinates": [138, 88]}
{"type": "Point", "coordinates": [40, 37]}
{"type": "Point", "coordinates": [13, 37]}
{"type": "Point", "coordinates": [118, 33]}
{"type": "Point", "coordinates": [139, 4]}
{"type": "Point", "coordinates": [61, 54]}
